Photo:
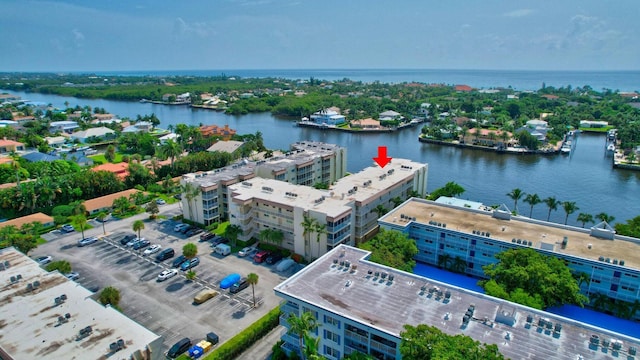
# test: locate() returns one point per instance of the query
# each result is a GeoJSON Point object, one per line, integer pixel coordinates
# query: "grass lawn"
{"type": "Point", "coordinates": [221, 228]}
{"type": "Point", "coordinates": [101, 158]}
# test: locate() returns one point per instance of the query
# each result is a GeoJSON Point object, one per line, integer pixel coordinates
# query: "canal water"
{"type": "Point", "coordinates": [574, 312]}
{"type": "Point", "coordinates": [585, 177]}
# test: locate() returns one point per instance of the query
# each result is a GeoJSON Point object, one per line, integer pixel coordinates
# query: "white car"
{"type": "Point", "coordinates": [160, 201]}
{"type": "Point", "coordinates": [167, 274]}
{"type": "Point", "coordinates": [44, 260]}
{"type": "Point", "coordinates": [246, 251]}
{"type": "Point", "coordinates": [73, 276]}
{"type": "Point", "coordinates": [152, 249]}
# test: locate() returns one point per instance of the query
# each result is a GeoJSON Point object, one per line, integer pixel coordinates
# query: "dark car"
{"type": "Point", "coordinates": [141, 244]}
{"type": "Point", "coordinates": [178, 261]}
{"type": "Point", "coordinates": [186, 228]}
{"type": "Point", "coordinates": [179, 348]}
{"type": "Point", "coordinates": [207, 236]}
{"type": "Point", "coordinates": [127, 238]}
{"type": "Point", "coordinates": [273, 258]}
{"type": "Point", "coordinates": [165, 254]}
{"type": "Point", "coordinates": [239, 286]}
{"type": "Point", "coordinates": [219, 240]}
{"type": "Point", "coordinates": [193, 231]}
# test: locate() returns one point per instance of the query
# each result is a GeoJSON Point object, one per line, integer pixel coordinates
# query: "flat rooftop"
{"type": "Point", "coordinates": [580, 242]}
{"type": "Point", "coordinates": [30, 326]}
{"type": "Point", "coordinates": [329, 283]}
{"type": "Point", "coordinates": [280, 192]}
{"type": "Point", "coordinates": [377, 179]}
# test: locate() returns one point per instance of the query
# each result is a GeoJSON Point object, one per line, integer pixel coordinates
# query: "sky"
{"type": "Point", "coordinates": [133, 35]}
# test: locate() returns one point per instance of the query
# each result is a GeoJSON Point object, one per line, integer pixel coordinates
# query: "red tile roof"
{"type": "Point", "coordinates": [120, 169]}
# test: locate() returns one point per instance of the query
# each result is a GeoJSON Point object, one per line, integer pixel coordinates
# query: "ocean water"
{"type": "Point", "coordinates": [482, 79]}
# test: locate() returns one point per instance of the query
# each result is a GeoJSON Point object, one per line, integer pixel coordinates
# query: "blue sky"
{"type": "Point", "coordinates": [78, 35]}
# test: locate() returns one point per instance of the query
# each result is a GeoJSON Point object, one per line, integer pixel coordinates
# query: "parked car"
{"type": "Point", "coordinates": [186, 229]}
{"type": "Point", "coordinates": [213, 338]}
{"type": "Point", "coordinates": [204, 295]}
{"type": "Point", "coordinates": [133, 241]}
{"type": "Point", "coordinates": [166, 274]}
{"type": "Point", "coordinates": [180, 227]}
{"type": "Point", "coordinates": [160, 201]}
{"type": "Point", "coordinates": [273, 258]}
{"type": "Point", "coordinates": [165, 254]}
{"type": "Point", "coordinates": [193, 231]}
{"type": "Point", "coordinates": [73, 276]}
{"type": "Point", "coordinates": [141, 244]}
{"type": "Point", "coordinates": [178, 261]}
{"type": "Point", "coordinates": [67, 228]}
{"type": "Point", "coordinates": [189, 264]}
{"type": "Point", "coordinates": [246, 251]}
{"type": "Point", "coordinates": [207, 236]}
{"type": "Point", "coordinates": [261, 256]}
{"type": "Point", "coordinates": [239, 286]}
{"type": "Point", "coordinates": [177, 196]}
{"type": "Point", "coordinates": [219, 240]}
{"type": "Point", "coordinates": [179, 348]}
{"type": "Point", "coordinates": [87, 241]}
{"type": "Point", "coordinates": [44, 260]}
{"type": "Point", "coordinates": [127, 238]}
{"type": "Point", "coordinates": [152, 249]}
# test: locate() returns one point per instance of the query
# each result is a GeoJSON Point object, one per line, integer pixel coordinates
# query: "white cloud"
{"type": "Point", "coordinates": [182, 28]}
{"type": "Point", "coordinates": [78, 37]}
{"type": "Point", "coordinates": [518, 13]}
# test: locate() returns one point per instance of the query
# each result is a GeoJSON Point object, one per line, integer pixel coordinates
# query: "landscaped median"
{"type": "Point", "coordinates": [232, 348]}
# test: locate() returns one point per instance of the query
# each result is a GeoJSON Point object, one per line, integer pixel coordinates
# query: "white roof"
{"type": "Point", "coordinates": [99, 131]}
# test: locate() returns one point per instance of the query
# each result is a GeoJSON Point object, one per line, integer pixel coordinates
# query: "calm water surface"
{"type": "Point", "coordinates": [586, 176]}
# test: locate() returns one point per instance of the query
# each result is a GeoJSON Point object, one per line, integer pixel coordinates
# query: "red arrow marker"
{"type": "Point", "coordinates": [382, 158]}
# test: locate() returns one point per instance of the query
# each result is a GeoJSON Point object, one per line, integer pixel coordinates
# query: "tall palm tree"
{"type": "Point", "coordinates": [319, 229]}
{"type": "Point", "coordinates": [585, 218]}
{"type": "Point", "coordinates": [190, 192]}
{"type": "Point", "coordinates": [79, 221]}
{"type": "Point", "coordinates": [532, 200]}
{"type": "Point", "coordinates": [605, 217]}
{"type": "Point", "coordinates": [515, 194]}
{"type": "Point", "coordinates": [171, 150]}
{"type": "Point", "coordinates": [252, 279]}
{"type": "Point", "coordinates": [102, 216]}
{"type": "Point", "coordinates": [569, 208]}
{"type": "Point", "coordinates": [232, 232]}
{"type": "Point", "coordinates": [138, 226]}
{"type": "Point", "coordinates": [301, 326]}
{"type": "Point", "coordinates": [552, 204]}
{"type": "Point", "coordinates": [308, 225]}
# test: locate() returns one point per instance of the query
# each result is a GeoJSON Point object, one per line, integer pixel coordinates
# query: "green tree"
{"type": "Point", "coordinates": [631, 228]}
{"type": "Point", "coordinates": [79, 222]}
{"type": "Point", "coordinates": [190, 275]}
{"type": "Point", "coordinates": [63, 266]}
{"type": "Point", "coordinates": [232, 232]}
{"type": "Point", "coordinates": [102, 216]}
{"type": "Point", "coordinates": [392, 248]}
{"type": "Point", "coordinates": [605, 217]}
{"type": "Point", "coordinates": [552, 204]}
{"type": "Point", "coordinates": [308, 225]}
{"type": "Point", "coordinates": [319, 229]}
{"type": "Point", "coordinates": [516, 194]}
{"type": "Point", "coordinates": [138, 226]}
{"type": "Point", "coordinates": [109, 295]}
{"type": "Point", "coordinates": [585, 218]}
{"type": "Point", "coordinates": [152, 208]}
{"type": "Point", "coordinates": [424, 342]}
{"type": "Point", "coordinates": [120, 205]}
{"type": "Point", "coordinates": [569, 208]}
{"type": "Point", "coordinates": [450, 189]}
{"type": "Point", "coordinates": [301, 326]}
{"type": "Point", "coordinates": [532, 200]}
{"type": "Point", "coordinates": [525, 273]}
{"type": "Point", "coordinates": [190, 192]}
{"type": "Point", "coordinates": [110, 153]}
{"type": "Point", "coordinates": [171, 150]}
{"type": "Point", "coordinates": [252, 279]}
{"type": "Point", "coordinates": [380, 210]}
{"type": "Point", "coordinates": [190, 250]}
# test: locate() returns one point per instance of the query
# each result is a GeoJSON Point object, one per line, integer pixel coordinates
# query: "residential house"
{"type": "Point", "coordinates": [39, 217]}
{"type": "Point", "coordinates": [462, 88]}
{"type": "Point", "coordinates": [328, 117]}
{"type": "Point", "coordinates": [38, 156]}
{"type": "Point", "coordinates": [9, 98]}
{"type": "Point", "coordinates": [8, 146]}
{"type": "Point", "coordinates": [4, 123]}
{"type": "Point", "coordinates": [55, 140]}
{"type": "Point", "coordinates": [550, 97]}
{"type": "Point", "coordinates": [99, 134]}
{"type": "Point", "coordinates": [66, 126]}
{"type": "Point", "coordinates": [226, 146]}
{"type": "Point", "coordinates": [120, 169]}
{"type": "Point", "coordinates": [214, 130]}
{"type": "Point", "coordinates": [168, 97]}
{"type": "Point", "coordinates": [368, 124]}
{"type": "Point", "coordinates": [389, 115]}
{"type": "Point", "coordinates": [140, 126]}
{"type": "Point", "coordinates": [593, 124]}
{"type": "Point", "coordinates": [105, 203]}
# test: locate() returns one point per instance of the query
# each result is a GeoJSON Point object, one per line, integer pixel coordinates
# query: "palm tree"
{"type": "Point", "coordinates": [552, 204]}
{"type": "Point", "coordinates": [138, 226]}
{"type": "Point", "coordinates": [444, 260]}
{"type": "Point", "coordinates": [308, 224]}
{"type": "Point", "coordinates": [232, 232]}
{"type": "Point", "coordinates": [319, 229]}
{"type": "Point", "coordinates": [532, 200]}
{"type": "Point", "coordinates": [171, 150]}
{"type": "Point", "coordinates": [79, 221]}
{"type": "Point", "coordinates": [458, 265]}
{"type": "Point", "coordinates": [102, 216]}
{"type": "Point", "coordinates": [585, 218]}
{"type": "Point", "coordinates": [515, 194]}
{"type": "Point", "coordinates": [380, 210]}
{"type": "Point", "coordinates": [190, 192]}
{"type": "Point", "coordinates": [605, 217]}
{"type": "Point", "coordinates": [301, 326]}
{"type": "Point", "coordinates": [569, 208]}
{"type": "Point", "coordinates": [397, 201]}
{"type": "Point", "coordinates": [252, 279]}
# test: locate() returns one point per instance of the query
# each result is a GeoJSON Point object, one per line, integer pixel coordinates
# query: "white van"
{"type": "Point", "coordinates": [180, 227]}
{"type": "Point", "coordinates": [223, 249]}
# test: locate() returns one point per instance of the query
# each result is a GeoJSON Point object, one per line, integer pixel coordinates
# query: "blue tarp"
{"type": "Point", "coordinates": [196, 351]}
{"type": "Point", "coordinates": [229, 281]}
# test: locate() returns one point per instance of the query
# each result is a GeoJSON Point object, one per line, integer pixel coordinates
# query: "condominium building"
{"type": "Point", "coordinates": [363, 306]}
{"type": "Point", "coordinates": [466, 238]}
{"type": "Point", "coordinates": [308, 163]}
{"type": "Point", "coordinates": [349, 208]}
{"type": "Point", "coordinates": [44, 315]}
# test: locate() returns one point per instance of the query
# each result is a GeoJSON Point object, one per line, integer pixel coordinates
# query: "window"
{"type": "Point", "coordinates": [332, 336]}
{"type": "Point", "coordinates": [331, 352]}
{"type": "Point", "coordinates": [331, 321]}
{"type": "Point", "coordinates": [614, 287]}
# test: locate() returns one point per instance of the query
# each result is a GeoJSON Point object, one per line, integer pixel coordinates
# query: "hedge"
{"type": "Point", "coordinates": [232, 348]}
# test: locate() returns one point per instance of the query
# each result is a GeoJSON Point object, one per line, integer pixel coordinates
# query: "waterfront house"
{"type": "Point", "coordinates": [8, 98]}
{"type": "Point", "coordinates": [328, 117]}
{"type": "Point", "coordinates": [66, 126]}
{"type": "Point", "coordinates": [55, 140]}
{"type": "Point", "coordinates": [593, 124]}
{"type": "Point", "coordinates": [214, 130]}
{"type": "Point", "coordinates": [368, 124]}
{"type": "Point", "coordinates": [140, 126]}
{"type": "Point", "coordinates": [462, 88]}
{"type": "Point", "coordinates": [7, 146]}
{"type": "Point", "coordinates": [167, 97]}
{"type": "Point", "coordinates": [99, 133]}
{"type": "Point", "coordinates": [389, 115]}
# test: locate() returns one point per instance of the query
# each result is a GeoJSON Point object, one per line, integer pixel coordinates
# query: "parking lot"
{"type": "Point", "coordinates": [166, 307]}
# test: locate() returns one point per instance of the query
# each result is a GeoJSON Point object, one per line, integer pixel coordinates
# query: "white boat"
{"type": "Point", "coordinates": [565, 149]}
{"type": "Point", "coordinates": [611, 147]}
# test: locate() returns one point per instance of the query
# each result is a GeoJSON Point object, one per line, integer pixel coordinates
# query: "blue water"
{"type": "Point", "coordinates": [517, 79]}
{"type": "Point", "coordinates": [577, 313]}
